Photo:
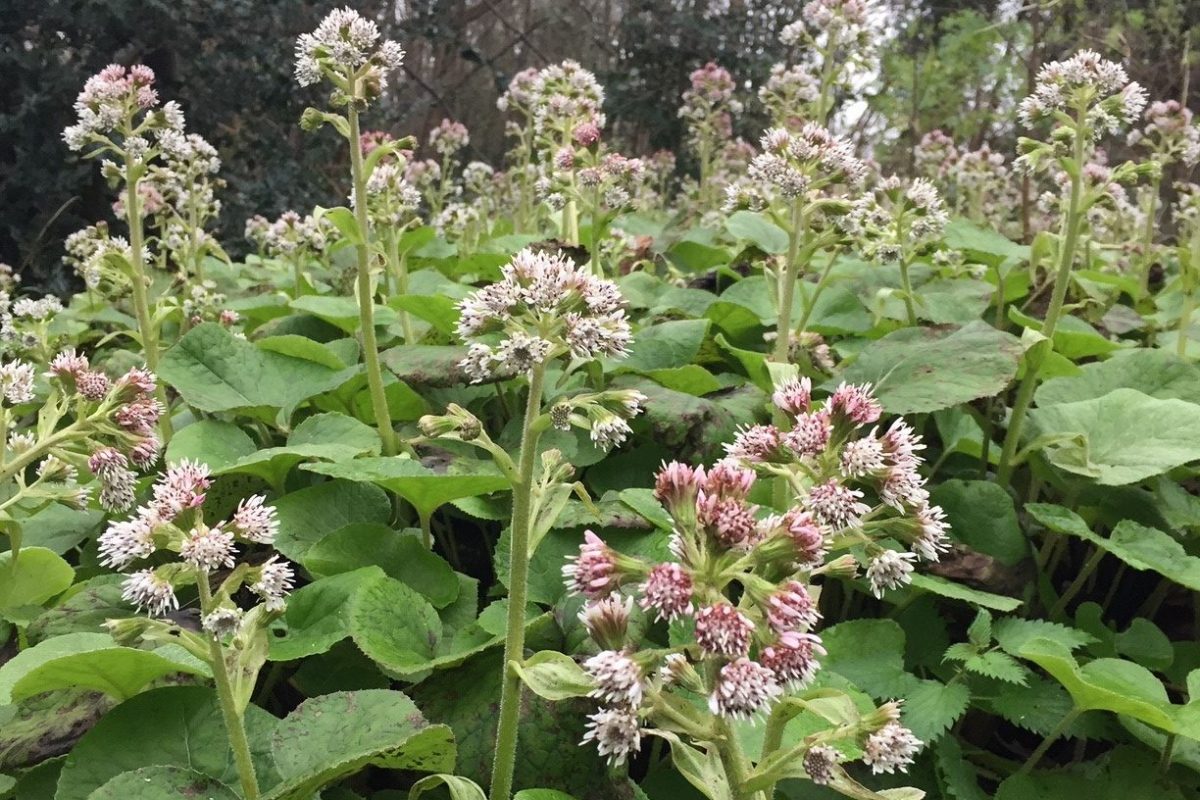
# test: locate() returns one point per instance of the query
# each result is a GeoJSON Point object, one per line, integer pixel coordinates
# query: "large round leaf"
{"type": "Point", "coordinates": [157, 783]}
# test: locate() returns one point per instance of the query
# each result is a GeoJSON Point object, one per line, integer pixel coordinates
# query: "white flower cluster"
{"type": "Point", "coordinates": [114, 98]}
{"type": "Point", "coordinates": [896, 221]}
{"type": "Point", "coordinates": [289, 235]}
{"type": "Point", "coordinates": [794, 165]}
{"type": "Point", "coordinates": [544, 307]}
{"type": "Point", "coordinates": [341, 46]}
{"type": "Point", "coordinates": [173, 521]}
{"type": "Point", "coordinates": [1085, 83]}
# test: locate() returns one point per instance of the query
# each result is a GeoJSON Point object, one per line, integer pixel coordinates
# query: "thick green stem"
{"type": "Point", "coordinates": [737, 766]}
{"type": "Point", "coordinates": [787, 285]}
{"type": "Point", "coordinates": [1185, 323]}
{"type": "Point", "coordinates": [141, 302]}
{"type": "Point", "coordinates": [1062, 279]}
{"type": "Point", "coordinates": [811, 303]}
{"type": "Point", "coordinates": [399, 263]}
{"type": "Point", "coordinates": [518, 579]}
{"type": "Point", "coordinates": [366, 299]}
{"type": "Point", "coordinates": [772, 741]}
{"type": "Point", "coordinates": [235, 727]}
{"type": "Point", "coordinates": [571, 223]}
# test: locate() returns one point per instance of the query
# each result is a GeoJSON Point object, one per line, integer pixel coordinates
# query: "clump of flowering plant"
{"type": "Point", "coordinates": [293, 239]}
{"type": "Point", "coordinates": [798, 178]}
{"type": "Point", "coordinates": [836, 37]}
{"type": "Point", "coordinates": [545, 313]}
{"type": "Point", "coordinates": [895, 223]}
{"type": "Point", "coordinates": [231, 640]}
{"type": "Point", "coordinates": [742, 593]}
{"type": "Point", "coordinates": [120, 120]}
{"type": "Point", "coordinates": [709, 109]}
{"type": "Point", "coordinates": [1084, 97]}
{"type": "Point", "coordinates": [345, 50]}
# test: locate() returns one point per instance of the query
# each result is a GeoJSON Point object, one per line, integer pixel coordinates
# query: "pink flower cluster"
{"type": "Point", "coordinates": [742, 578]}
{"type": "Point", "coordinates": [173, 521]}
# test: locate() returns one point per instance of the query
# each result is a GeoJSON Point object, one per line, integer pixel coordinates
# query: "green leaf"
{"type": "Point", "coordinates": [916, 370]}
{"type": "Point", "coordinates": [459, 788]}
{"type": "Point", "coordinates": [329, 737]}
{"type": "Point", "coordinates": [666, 345]}
{"type": "Point", "coordinates": [938, 585]}
{"type": "Point", "coordinates": [333, 437]}
{"type": "Point", "coordinates": [1138, 546]}
{"type": "Point", "coordinates": [869, 654]}
{"type": "Point", "coordinates": [318, 614]}
{"type": "Point", "coordinates": [209, 441]}
{"type": "Point", "coordinates": [1074, 338]}
{"type": "Point", "coordinates": [216, 371]}
{"type": "Point", "coordinates": [344, 220]}
{"type": "Point", "coordinates": [60, 528]}
{"type": "Point", "coordinates": [307, 516]}
{"type": "Point", "coordinates": [395, 626]}
{"type": "Point", "coordinates": [702, 768]}
{"type": "Point", "coordinates": [1155, 373]}
{"type": "Point", "coordinates": [958, 776]}
{"type": "Point", "coordinates": [40, 575]}
{"type": "Point", "coordinates": [981, 515]}
{"type": "Point", "coordinates": [438, 310]}
{"type": "Point", "coordinates": [308, 349]}
{"type": "Point", "coordinates": [1110, 449]}
{"type": "Point", "coordinates": [542, 794]}
{"type": "Point", "coordinates": [93, 661]}
{"type": "Point", "coordinates": [1106, 684]}
{"type": "Point", "coordinates": [980, 630]}
{"type": "Point", "coordinates": [341, 312]}
{"type": "Point", "coordinates": [175, 726]}
{"type": "Point", "coordinates": [983, 244]}
{"type": "Point", "coordinates": [754, 227]}
{"type": "Point", "coordinates": [158, 782]}
{"type": "Point", "coordinates": [931, 707]}
{"type": "Point", "coordinates": [999, 665]}
{"type": "Point", "coordinates": [401, 555]}
{"type": "Point", "coordinates": [1013, 633]}
{"type": "Point", "coordinates": [89, 605]}
{"type": "Point", "coordinates": [554, 676]}
{"type": "Point", "coordinates": [425, 489]}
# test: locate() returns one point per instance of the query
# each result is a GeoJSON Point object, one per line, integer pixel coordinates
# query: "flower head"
{"type": "Point", "coordinates": [743, 689]}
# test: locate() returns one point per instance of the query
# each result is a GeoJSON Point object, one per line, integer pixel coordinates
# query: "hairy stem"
{"type": "Point", "coordinates": [787, 285]}
{"type": "Point", "coordinates": [518, 577]}
{"type": "Point", "coordinates": [1062, 279]}
{"type": "Point", "coordinates": [235, 727]}
{"type": "Point", "coordinates": [366, 299]}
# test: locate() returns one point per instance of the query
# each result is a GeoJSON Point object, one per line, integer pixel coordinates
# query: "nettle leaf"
{"type": "Point", "coordinates": [1155, 373]}
{"type": "Point", "coordinates": [425, 489]}
{"type": "Point", "coordinates": [154, 783]}
{"type": "Point", "coordinates": [1013, 633]}
{"type": "Point", "coordinates": [999, 665]}
{"type": "Point", "coordinates": [330, 737]}
{"type": "Point", "coordinates": [175, 726]}
{"type": "Point", "coordinates": [318, 614]}
{"type": "Point", "coordinates": [216, 371]}
{"type": "Point", "coordinates": [402, 555]}
{"type": "Point", "coordinates": [40, 575]}
{"type": "Point", "coordinates": [917, 370]}
{"type": "Point", "coordinates": [209, 441]}
{"type": "Point", "coordinates": [554, 676]}
{"type": "Point", "coordinates": [1140, 547]}
{"type": "Point", "coordinates": [958, 776]}
{"type": "Point", "coordinates": [308, 515]}
{"type": "Point", "coordinates": [982, 515]}
{"type": "Point", "coordinates": [92, 661]}
{"type": "Point", "coordinates": [1111, 450]}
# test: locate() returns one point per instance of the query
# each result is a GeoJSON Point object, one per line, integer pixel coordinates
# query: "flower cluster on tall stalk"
{"type": "Point", "coordinates": [233, 642]}
{"type": "Point", "coordinates": [71, 417]}
{"type": "Point", "coordinates": [797, 179]}
{"type": "Point", "coordinates": [709, 109]}
{"type": "Point", "coordinates": [976, 183]}
{"type": "Point", "coordinates": [741, 595]}
{"type": "Point", "coordinates": [546, 314]}
{"type": "Point", "coordinates": [345, 50]}
{"type": "Point", "coordinates": [1084, 97]}
{"type": "Point", "coordinates": [1169, 136]}
{"type": "Point", "coordinates": [896, 222]}
{"type": "Point", "coordinates": [293, 239]}
{"type": "Point", "coordinates": [834, 39]}
{"type": "Point", "coordinates": [120, 120]}
{"type": "Point", "coordinates": [185, 181]}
